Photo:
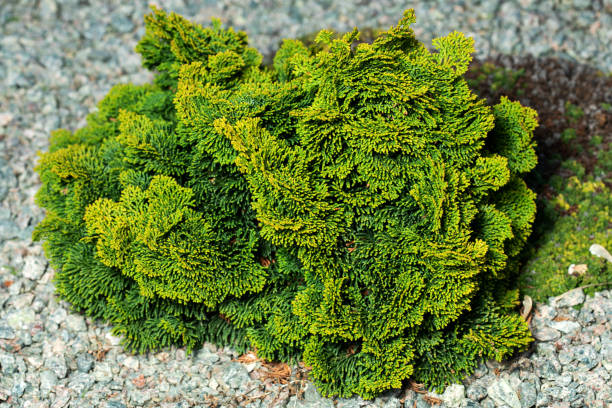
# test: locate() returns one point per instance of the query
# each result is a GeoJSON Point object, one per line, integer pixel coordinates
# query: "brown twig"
{"type": "Point", "coordinates": [594, 284]}
{"type": "Point", "coordinates": [432, 400]}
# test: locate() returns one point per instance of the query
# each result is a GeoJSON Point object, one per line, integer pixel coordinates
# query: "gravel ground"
{"type": "Point", "coordinates": [59, 58]}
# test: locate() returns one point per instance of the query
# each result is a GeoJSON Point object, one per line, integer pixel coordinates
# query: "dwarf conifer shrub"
{"type": "Point", "coordinates": [355, 207]}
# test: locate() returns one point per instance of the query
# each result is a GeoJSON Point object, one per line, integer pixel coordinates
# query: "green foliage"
{"type": "Point", "coordinates": [573, 112]}
{"type": "Point", "coordinates": [500, 78]}
{"type": "Point", "coordinates": [596, 140]}
{"type": "Point", "coordinates": [171, 41]}
{"type": "Point", "coordinates": [603, 167]}
{"type": "Point", "coordinates": [568, 135]}
{"type": "Point", "coordinates": [355, 206]}
{"type": "Point", "coordinates": [580, 213]}
{"type": "Point", "coordinates": [142, 228]}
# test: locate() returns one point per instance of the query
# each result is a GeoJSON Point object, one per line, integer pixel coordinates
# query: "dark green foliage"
{"type": "Point", "coordinates": [128, 242]}
{"type": "Point", "coordinates": [568, 135]}
{"type": "Point", "coordinates": [501, 79]}
{"type": "Point", "coordinates": [573, 112]}
{"type": "Point", "coordinates": [355, 206]}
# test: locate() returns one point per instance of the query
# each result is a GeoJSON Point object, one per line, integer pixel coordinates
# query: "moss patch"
{"type": "Point", "coordinates": [580, 212]}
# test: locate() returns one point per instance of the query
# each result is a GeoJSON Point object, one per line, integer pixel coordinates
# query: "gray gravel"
{"type": "Point", "coordinates": [59, 58]}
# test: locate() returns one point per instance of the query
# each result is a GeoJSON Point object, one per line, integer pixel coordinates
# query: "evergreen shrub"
{"type": "Point", "coordinates": [354, 206]}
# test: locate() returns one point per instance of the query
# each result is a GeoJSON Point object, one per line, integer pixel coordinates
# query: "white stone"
{"type": "Point", "coordinates": [545, 333]}
{"type": "Point", "coordinates": [36, 404]}
{"type": "Point", "coordinates": [112, 340]}
{"type": "Point", "coordinates": [62, 396]}
{"type": "Point", "coordinates": [48, 380]}
{"type": "Point", "coordinates": [163, 387]}
{"type": "Point", "coordinates": [57, 364]}
{"type": "Point", "coordinates": [20, 319]}
{"type": "Point", "coordinates": [102, 372]}
{"type": "Point", "coordinates": [577, 270]}
{"type": "Point", "coordinates": [601, 252]}
{"type": "Point", "coordinates": [5, 118]}
{"type": "Point", "coordinates": [565, 326]}
{"type": "Point", "coordinates": [454, 395]}
{"type": "Point", "coordinates": [35, 361]}
{"type": "Point", "coordinates": [235, 375]}
{"type": "Point", "coordinates": [57, 347]}
{"type": "Point", "coordinates": [132, 363]}
{"type": "Point", "coordinates": [34, 268]}
{"type": "Point", "coordinates": [311, 399]}
{"type": "Point", "coordinates": [392, 403]}
{"type": "Point", "coordinates": [59, 315]}
{"type": "Point", "coordinates": [502, 394]}
{"type": "Point", "coordinates": [15, 288]}
{"type": "Point", "coordinates": [23, 301]}
{"type": "Point", "coordinates": [571, 298]}
{"type": "Point", "coordinates": [138, 397]}
{"type": "Point", "coordinates": [174, 377]}
{"type": "Point", "coordinates": [76, 323]}
{"type": "Point", "coordinates": [48, 9]}
{"type": "Point", "coordinates": [212, 383]}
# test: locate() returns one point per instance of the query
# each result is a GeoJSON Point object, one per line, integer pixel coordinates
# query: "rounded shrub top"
{"type": "Point", "coordinates": [354, 205]}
